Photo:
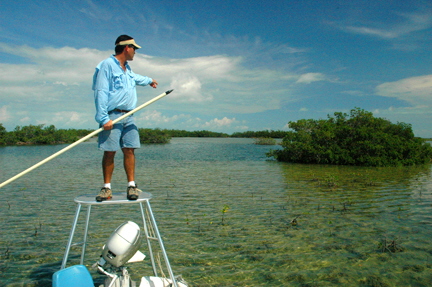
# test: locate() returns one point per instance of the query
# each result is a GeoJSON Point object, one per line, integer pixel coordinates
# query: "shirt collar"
{"type": "Point", "coordinates": [118, 62]}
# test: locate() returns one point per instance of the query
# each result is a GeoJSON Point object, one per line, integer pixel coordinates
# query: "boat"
{"type": "Point", "coordinates": [121, 248]}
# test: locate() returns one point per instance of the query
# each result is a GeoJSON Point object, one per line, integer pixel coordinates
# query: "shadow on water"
{"type": "Point", "coordinates": [42, 274]}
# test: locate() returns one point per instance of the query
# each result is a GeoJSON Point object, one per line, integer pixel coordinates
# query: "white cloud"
{"type": "Point", "coordinates": [310, 78]}
{"type": "Point", "coordinates": [54, 86]}
{"type": "Point", "coordinates": [156, 118]}
{"type": "Point", "coordinates": [241, 128]}
{"type": "Point", "coordinates": [220, 122]}
{"type": "Point", "coordinates": [24, 120]}
{"type": "Point", "coordinates": [4, 115]}
{"type": "Point", "coordinates": [188, 89]}
{"type": "Point", "coordinates": [373, 32]}
{"type": "Point", "coordinates": [70, 118]}
{"type": "Point", "coordinates": [416, 90]}
{"type": "Point", "coordinates": [406, 23]}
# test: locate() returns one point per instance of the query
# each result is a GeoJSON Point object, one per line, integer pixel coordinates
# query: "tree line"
{"type": "Point", "coordinates": [42, 135]}
{"type": "Point", "coordinates": [357, 138]}
{"type": "Point", "coordinates": [39, 135]}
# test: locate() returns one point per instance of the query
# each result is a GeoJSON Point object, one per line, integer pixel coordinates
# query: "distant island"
{"type": "Point", "coordinates": [48, 135]}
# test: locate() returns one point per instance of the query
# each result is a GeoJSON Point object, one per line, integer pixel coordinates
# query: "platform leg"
{"type": "Point", "coordinates": [85, 235]}
{"type": "Point", "coordinates": [66, 255]}
{"type": "Point", "coordinates": [165, 256]}
{"type": "Point", "coordinates": [147, 235]}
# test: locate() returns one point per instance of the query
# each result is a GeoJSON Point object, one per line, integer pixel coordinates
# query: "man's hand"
{"type": "Point", "coordinates": [108, 126]}
{"type": "Point", "coordinates": [154, 84]}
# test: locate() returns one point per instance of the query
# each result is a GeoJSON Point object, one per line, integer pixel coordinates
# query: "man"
{"type": "Point", "coordinates": [115, 94]}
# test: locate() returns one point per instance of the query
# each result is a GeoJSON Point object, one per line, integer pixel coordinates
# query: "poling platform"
{"type": "Point", "coordinates": [150, 231]}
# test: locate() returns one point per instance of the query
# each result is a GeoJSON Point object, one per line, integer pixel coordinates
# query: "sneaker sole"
{"type": "Point", "coordinates": [102, 199]}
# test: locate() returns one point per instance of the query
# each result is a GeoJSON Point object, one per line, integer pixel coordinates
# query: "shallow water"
{"type": "Point", "coordinates": [284, 225]}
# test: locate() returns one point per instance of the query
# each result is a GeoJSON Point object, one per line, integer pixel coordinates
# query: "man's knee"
{"type": "Point", "coordinates": [128, 151]}
{"type": "Point", "coordinates": [109, 154]}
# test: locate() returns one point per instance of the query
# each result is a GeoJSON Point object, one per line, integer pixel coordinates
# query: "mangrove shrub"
{"type": "Point", "coordinates": [355, 139]}
{"type": "Point", "coordinates": [152, 136]}
{"type": "Point", "coordinates": [264, 141]}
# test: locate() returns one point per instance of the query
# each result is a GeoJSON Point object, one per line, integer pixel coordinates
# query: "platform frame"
{"type": "Point", "coordinates": [149, 226]}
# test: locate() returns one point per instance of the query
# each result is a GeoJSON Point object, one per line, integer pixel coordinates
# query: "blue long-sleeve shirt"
{"type": "Point", "coordinates": [114, 88]}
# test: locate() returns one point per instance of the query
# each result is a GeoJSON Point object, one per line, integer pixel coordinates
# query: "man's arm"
{"type": "Point", "coordinates": [101, 103]}
{"type": "Point", "coordinates": [144, 80]}
{"type": "Point", "coordinates": [101, 92]}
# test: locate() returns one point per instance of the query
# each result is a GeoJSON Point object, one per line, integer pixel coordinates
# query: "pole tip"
{"type": "Point", "coordinates": [167, 92]}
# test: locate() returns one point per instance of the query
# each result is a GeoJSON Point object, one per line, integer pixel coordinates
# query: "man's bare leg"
{"type": "Point", "coordinates": [129, 163]}
{"type": "Point", "coordinates": [107, 171]}
{"type": "Point", "coordinates": [129, 166]}
{"type": "Point", "coordinates": [108, 165]}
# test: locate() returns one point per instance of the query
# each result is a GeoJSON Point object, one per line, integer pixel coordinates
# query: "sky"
{"type": "Point", "coordinates": [234, 66]}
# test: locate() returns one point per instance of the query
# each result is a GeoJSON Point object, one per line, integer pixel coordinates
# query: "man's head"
{"type": "Point", "coordinates": [126, 44]}
{"type": "Point", "coordinates": [124, 41]}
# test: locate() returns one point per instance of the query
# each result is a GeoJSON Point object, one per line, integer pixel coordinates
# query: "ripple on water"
{"type": "Point", "coordinates": [228, 216]}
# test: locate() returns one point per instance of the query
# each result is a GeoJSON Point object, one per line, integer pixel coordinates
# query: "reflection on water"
{"type": "Point", "coordinates": [284, 225]}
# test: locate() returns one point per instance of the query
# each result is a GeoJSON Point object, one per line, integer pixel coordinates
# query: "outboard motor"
{"type": "Point", "coordinates": [121, 247]}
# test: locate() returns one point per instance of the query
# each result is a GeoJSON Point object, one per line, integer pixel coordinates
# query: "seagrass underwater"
{"type": "Point", "coordinates": [228, 214]}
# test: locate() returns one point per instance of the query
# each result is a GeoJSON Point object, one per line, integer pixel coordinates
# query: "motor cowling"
{"type": "Point", "coordinates": [122, 244]}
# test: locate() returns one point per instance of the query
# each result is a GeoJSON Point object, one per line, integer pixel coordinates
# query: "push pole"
{"type": "Point", "coordinates": [82, 140]}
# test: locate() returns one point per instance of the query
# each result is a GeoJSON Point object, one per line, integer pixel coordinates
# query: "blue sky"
{"type": "Point", "coordinates": [234, 65]}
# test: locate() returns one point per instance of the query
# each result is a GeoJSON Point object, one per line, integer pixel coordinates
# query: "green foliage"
{"type": "Point", "coordinates": [210, 134]}
{"type": "Point", "coordinates": [355, 139]}
{"type": "Point", "coordinates": [195, 134]}
{"type": "Point", "coordinates": [224, 210]}
{"type": "Point", "coordinates": [264, 141]}
{"type": "Point", "coordinates": [260, 134]}
{"type": "Point", "coordinates": [37, 135]}
{"type": "Point", "coordinates": [3, 134]}
{"type": "Point", "coordinates": [152, 136]}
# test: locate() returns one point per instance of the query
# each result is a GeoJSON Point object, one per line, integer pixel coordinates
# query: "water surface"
{"type": "Point", "coordinates": [283, 225]}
